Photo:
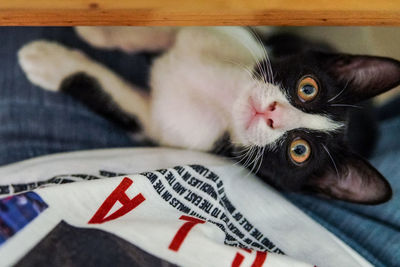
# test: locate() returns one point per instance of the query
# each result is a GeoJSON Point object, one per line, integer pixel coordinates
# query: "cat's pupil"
{"type": "Point", "coordinates": [299, 150]}
{"type": "Point", "coordinates": [308, 89]}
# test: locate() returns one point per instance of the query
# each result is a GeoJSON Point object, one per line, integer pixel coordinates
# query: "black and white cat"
{"type": "Point", "coordinates": [214, 87]}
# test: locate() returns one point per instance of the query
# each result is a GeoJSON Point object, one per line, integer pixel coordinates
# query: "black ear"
{"type": "Point", "coordinates": [363, 76]}
{"type": "Point", "coordinates": [356, 181]}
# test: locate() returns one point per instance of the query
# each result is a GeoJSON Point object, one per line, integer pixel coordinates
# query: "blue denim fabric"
{"type": "Point", "coordinates": [35, 122]}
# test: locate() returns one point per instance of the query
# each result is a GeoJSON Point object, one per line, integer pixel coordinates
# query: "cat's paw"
{"type": "Point", "coordinates": [47, 64]}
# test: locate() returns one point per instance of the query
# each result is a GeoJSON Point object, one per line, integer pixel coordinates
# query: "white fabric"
{"type": "Point", "coordinates": [232, 199]}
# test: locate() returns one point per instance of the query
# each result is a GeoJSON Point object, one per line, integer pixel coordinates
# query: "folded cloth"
{"type": "Point", "coordinates": [154, 207]}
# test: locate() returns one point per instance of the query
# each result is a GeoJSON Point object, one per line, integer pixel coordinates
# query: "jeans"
{"type": "Point", "coordinates": [35, 122]}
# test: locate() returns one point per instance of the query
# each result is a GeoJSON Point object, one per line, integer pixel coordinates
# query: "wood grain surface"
{"type": "Point", "coordinates": [200, 12]}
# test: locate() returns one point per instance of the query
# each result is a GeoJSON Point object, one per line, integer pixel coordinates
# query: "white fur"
{"type": "Point", "coordinates": [195, 83]}
{"type": "Point", "coordinates": [200, 87]}
{"type": "Point", "coordinates": [47, 64]}
{"type": "Point", "coordinates": [260, 134]}
{"type": "Point", "coordinates": [128, 39]}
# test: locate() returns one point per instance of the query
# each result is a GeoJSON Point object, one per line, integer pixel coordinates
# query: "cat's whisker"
{"type": "Point", "coordinates": [260, 154]}
{"type": "Point", "coordinates": [243, 156]}
{"type": "Point", "coordinates": [249, 156]}
{"type": "Point", "coordinates": [253, 75]}
{"type": "Point", "coordinates": [330, 156]}
{"type": "Point", "coordinates": [247, 69]}
{"type": "Point", "coordinates": [252, 157]}
{"type": "Point", "coordinates": [239, 162]}
{"type": "Point", "coordinates": [255, 158]}
{"type": "Point", "coordinates": [268, 64]}
{"type": "Point", "coordinates": [258, 160]}
{"type": "Point", "coordinates": [255, 57]}
{"type": "Point", "coordinates": [235, 163]}
{"type": "Point", "coordinates": [254, 34]}
{"type": "Point", "coordinates": [266, 68]}
{"type": "Point", "coordinates": [240, 151]}
{"type": "Point", "coordinates": [246, 153]}
{"type": "Point", "coordinates": [239, 144]}
{"type": "Point", "coordinates": [261, 160]}
{"type": "Point", "coordinates": [345, 105]}
{"type": "Point", "coordinates": [336, 96]}
{"type": "Point", "coordinates": [258, 76]}
{"type": "Point", "coordinates": [254, 161]}
{"type": "Point", "coordinates": [263, 74]}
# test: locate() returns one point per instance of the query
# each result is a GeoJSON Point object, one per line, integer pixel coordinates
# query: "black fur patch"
{"type": "Point", "coordinates": [89, 92]}
{"type": "Point", "coordinates": [223, 146]}
{"type": "Point", "coordinates": [333, 168]}
{"type": "Point", "coordinates": [363, 130]}
{"type": "Point", "coordinates": [285, 44]}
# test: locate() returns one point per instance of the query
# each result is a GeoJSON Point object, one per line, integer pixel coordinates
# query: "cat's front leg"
{"type": "Point", "coordinates": [128, 39]}
{"type": "Point", "coordinates": [49, 64]}
{"type": "Point", "coordinates": [46, 64]}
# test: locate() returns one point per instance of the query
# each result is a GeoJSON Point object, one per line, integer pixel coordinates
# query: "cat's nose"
{"type": "Point", "coordinates": [273, 115]}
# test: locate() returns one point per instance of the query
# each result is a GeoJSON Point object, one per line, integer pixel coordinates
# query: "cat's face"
{"type": "Point", "coordinates": [296, 118]}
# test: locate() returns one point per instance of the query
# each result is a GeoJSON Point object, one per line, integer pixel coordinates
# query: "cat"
{"type": "Point", "coordinates": [215, 88]}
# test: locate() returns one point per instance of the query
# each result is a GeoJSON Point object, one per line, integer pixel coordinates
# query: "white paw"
{"type": "Point", "coordinates": [47, 64]}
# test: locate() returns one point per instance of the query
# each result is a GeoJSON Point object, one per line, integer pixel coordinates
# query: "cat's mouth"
{"type": "Point", "coordinates": [259, 114]}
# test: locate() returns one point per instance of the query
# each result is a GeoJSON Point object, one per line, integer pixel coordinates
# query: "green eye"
{"type": "Point", "coordinates": [299, 150]}
{"type": "Point", "coordinates": [307, 89]}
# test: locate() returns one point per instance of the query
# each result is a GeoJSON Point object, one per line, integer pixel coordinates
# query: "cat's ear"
{"type": "Point", "coordinates": [363, 76]}
{"type": "Point", "coordinates": [356, 181]}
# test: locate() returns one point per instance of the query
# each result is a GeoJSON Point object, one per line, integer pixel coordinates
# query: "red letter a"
{"type": "Point", "coordinates": [117, 195]}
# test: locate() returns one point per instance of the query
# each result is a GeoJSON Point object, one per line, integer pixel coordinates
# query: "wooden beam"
{"type": "Point", "coordinates": [199, 12]}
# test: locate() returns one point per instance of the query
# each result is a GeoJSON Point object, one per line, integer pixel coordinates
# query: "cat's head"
{"type": "Point", "coordinates": [295, 114]}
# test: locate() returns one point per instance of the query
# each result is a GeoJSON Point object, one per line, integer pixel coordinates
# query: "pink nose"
{"type": "Point", "coordinates": [273, 115]}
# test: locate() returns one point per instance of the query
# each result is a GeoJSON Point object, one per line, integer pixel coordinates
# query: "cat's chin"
{"type": "Point", "coordinates": [258, 134]}
{"type": "Point", "coordinates": [250, 129]}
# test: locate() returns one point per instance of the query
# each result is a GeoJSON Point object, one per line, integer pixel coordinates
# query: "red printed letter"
{"type": "Point", "coordinates": [183, 231]}
{"type": "Point", "coordinates": [260, 258]}
{"type": "Point", "coordinates": [117, 195]}
{"type": "Point", "coordinates": [239, 258]}
{"type": "Point", "coordinates": [258, 261]}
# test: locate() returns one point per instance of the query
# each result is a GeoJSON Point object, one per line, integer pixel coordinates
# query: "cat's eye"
{"type": "Point", "coordinates": [299, 151]}
{"type": "Point", "coordinates": [307, 89]}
